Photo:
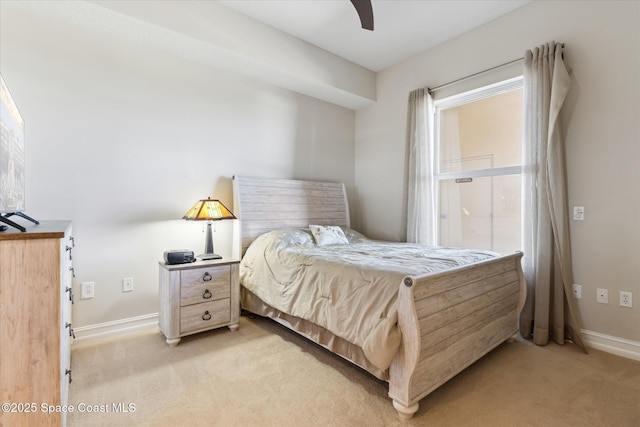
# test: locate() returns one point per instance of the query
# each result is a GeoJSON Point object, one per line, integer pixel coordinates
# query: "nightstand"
{"type": "Point", "coordinates": [197, 297]}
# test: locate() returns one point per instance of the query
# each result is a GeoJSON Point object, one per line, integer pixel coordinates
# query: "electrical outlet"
{"type": "Point", "coordinates": [602, 296]}
{"type": "Point", "coordinates": [577, 291]}
{"type": "Point", "coordinates": [626, 299]}
{"type": "Point", "coordinates": [578, 213]}
{"type": "Point", "coordinates": [127, 284]}
{"type": "Point", "coordinates": [87, 290]}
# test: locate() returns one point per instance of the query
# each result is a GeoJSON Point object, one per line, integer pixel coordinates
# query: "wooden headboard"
{"type": "Point", "coordinates": [264, 204]}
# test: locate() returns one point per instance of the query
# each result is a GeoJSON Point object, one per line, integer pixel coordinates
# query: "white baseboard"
{"type": "Point", "coordinates": [618, 346]}
{"type": "Point", "coordinates": [610, 344]}
{"type": "Point", "coordinates": [116, 327]}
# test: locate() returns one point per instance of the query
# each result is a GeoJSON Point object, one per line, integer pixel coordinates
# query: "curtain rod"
{"type": "Point", "coordinates": [515, 61]}
{"type": "Point", "coordinates": [474, 74]}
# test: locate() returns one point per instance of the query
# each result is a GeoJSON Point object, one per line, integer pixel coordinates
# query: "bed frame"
{"type": "Point", "coordinates": [448, 320]}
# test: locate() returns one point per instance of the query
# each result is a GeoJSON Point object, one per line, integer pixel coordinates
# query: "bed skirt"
{"type": "Point", "coordinates": [315, 333]}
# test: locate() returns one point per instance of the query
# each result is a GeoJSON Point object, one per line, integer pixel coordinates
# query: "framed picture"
{"type": "Point", "coordinates": [12, 158]}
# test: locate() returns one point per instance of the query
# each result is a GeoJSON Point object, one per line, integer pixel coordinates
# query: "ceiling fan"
{"type": "Point", "coordinates": [365, 12]}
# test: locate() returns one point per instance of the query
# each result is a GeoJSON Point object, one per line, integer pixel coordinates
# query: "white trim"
{"type": "Point", "coordinates": [480, 173]}
{"type": "Point", "coordinates": [614, 345]}
{"type": "Point", "coordinates": [116, 327]}
{"type": "Point", "coordinates": [479, 93]}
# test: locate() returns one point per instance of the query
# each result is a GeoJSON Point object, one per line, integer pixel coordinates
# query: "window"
{"type": "Point", "coordinates": [477, 164]}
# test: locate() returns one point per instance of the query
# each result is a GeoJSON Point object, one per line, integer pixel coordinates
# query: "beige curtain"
{"type": "Point", "coordinates": [550, 311]}
{"type": "Point", "coordinates": [421, 218]}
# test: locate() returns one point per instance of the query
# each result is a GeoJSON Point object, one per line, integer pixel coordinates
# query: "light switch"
{"type": "Point", "coordinates": [578, 213]}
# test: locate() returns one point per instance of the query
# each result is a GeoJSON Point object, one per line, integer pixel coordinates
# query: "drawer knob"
{"type": "Point", "coordinates": [207, 294]}
{"type": "Point", "coordinates": [206, 315]}
{"type": "Point", "coordinates": [207, 277]}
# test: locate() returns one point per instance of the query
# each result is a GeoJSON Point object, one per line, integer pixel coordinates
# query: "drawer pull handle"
{"type": "Point", "coordinates": [207, 277]}
{"type": "Point", "coordinates": [207, 294]}
{"type": "Point", "coordinates": [71, 333]}
{"type": "Point", "coordinates": [206, 316]}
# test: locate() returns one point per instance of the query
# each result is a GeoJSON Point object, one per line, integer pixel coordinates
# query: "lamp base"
{"type": "Point", "coordinates": [206, 257]}
{"type": "Point", "coordinates": [208, 246]}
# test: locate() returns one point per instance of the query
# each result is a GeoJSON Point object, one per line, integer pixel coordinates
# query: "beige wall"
{"type": "Point", "coordinates": [600, 123]}
{"type": "Point", "coordinates": [123, 138]}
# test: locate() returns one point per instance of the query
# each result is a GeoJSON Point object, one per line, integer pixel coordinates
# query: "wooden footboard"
{"type": "Point", "coordinates": [449, 320]}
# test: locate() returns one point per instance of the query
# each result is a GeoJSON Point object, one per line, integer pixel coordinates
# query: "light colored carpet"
{"type": "Point", "coordinates": [264, 375]}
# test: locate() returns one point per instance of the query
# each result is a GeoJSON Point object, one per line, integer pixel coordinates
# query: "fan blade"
{"type": "Point", "coordinates": [365, 12]}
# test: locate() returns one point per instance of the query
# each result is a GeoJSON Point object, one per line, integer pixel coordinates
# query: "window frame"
{"type": "Point", "coordinates": [454, 101]}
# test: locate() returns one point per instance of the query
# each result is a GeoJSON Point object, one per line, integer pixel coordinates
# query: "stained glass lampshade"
{"type": "Point", "coordinates": [208, 210]}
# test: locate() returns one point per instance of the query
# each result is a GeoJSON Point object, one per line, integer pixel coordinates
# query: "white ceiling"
{"type": "Point", "coordinates": [402, 28]}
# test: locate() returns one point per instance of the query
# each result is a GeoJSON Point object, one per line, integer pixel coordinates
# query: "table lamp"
{"type": "Point", "coordinates": [208, 210]}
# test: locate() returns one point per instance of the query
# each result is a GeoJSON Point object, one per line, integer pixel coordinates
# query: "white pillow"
{"type": "Point", "coordinates": [328, 235]}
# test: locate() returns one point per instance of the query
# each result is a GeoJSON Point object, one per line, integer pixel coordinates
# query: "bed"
{"type": "Point", "coordinates": [412, 315]}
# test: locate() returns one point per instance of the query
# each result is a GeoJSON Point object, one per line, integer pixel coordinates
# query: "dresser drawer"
{"type": "Point", "coordinates": [205, 315]}
{"type": "Point", "coordinates": [205, 284]}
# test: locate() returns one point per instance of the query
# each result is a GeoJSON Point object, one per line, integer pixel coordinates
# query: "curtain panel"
{"type": "Point", "coordinates": [550, 312]}
{"type": "Point", "coordinates": [421, 210]}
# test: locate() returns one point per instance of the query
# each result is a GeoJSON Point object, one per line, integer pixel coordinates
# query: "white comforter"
{"type": "Point", "coordinates": [349, 289]}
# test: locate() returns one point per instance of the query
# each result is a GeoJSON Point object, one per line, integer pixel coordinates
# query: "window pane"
{"type": "Point", "coordinates": [507, 213]}
{"type": "Point", "coordinates": [465, 213]}
{"type": "Point", "coordinates": [487, 131]}
{"type": "Point", "coordinates": [483, 213]}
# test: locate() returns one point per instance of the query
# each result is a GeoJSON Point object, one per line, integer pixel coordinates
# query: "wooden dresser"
{"type": "Point", "coordinates": [35, 324]}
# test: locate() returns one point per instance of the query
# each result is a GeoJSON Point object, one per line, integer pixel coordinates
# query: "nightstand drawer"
{"type": "Point", "coordinates": [211, 275]}
{"type": "Point", "coordinates": [205, 284]}
{"type": "Point", "coordinates": [205, 315]}
{"type": "Point", "coordinates": [204, 292]}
